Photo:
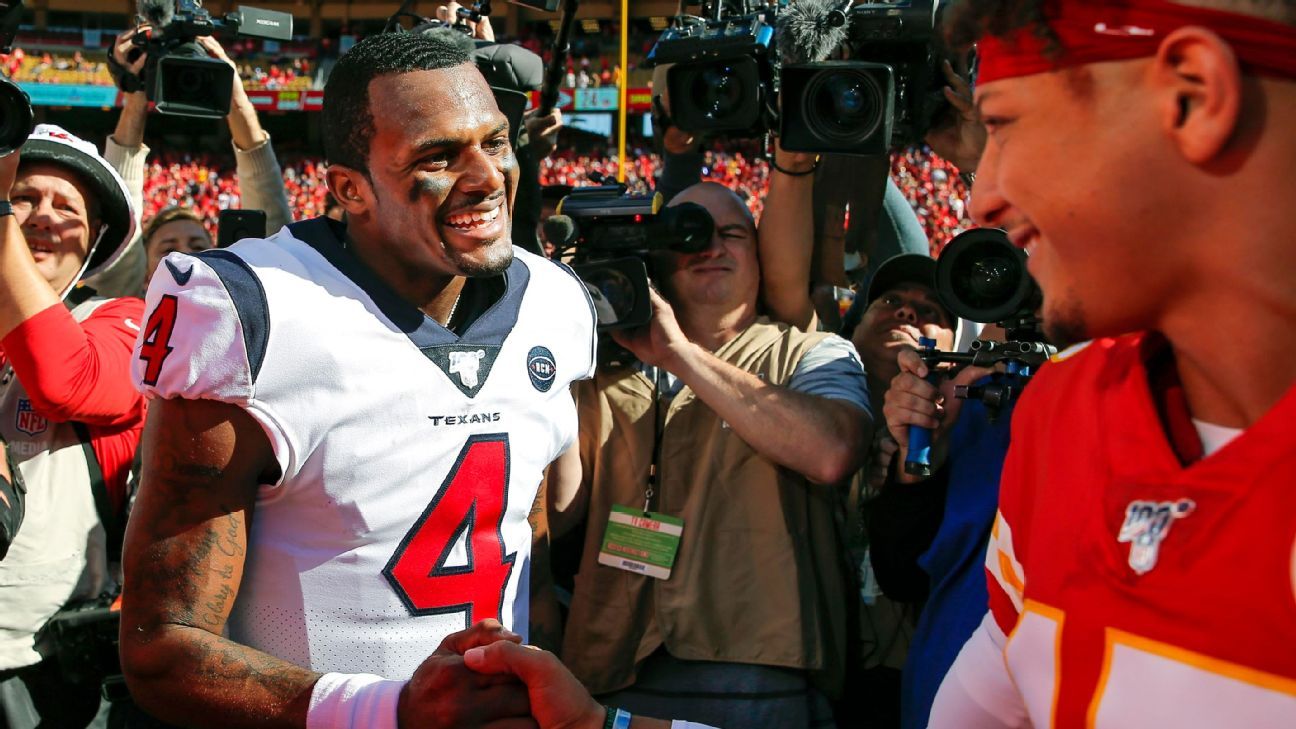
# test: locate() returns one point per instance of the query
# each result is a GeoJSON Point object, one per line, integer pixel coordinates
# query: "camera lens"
{"type": "Point", "coordinates": [844, 106]}
{"type": "Point", "coordinates": [717, 92]}
{"type": "Point", "coordinates": [992, 279]}
{"type": "Point", "coordinates": [15, 116]}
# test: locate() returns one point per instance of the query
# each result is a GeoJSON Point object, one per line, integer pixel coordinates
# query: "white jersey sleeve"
{"type": "Point", "coordinates": [205, 336]}
{"type": "Point", "coordinates": [978, 692]}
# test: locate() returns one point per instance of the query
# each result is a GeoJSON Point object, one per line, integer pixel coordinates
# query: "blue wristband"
{"type": "Point", "coordinates": [622, 720]}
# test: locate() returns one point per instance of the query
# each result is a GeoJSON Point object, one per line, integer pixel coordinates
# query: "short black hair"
{"type": "Point", "coordinates": [348, 122]}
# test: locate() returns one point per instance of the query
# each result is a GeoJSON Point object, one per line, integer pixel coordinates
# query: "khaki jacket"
{"type": "Point", "coordinates": [760, 577]}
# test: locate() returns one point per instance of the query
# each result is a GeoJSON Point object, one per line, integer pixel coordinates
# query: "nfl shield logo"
{"type": "Point", "coordinates": [27, 421]}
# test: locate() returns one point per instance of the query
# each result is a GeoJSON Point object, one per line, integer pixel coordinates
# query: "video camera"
{"type": "Point", "coordinates": [611, 236]}
{"type": "Point", "coordinates": [179, 76]}
{"type": "Point", "coordinates": [725, 75]}
{"type": "Point", "coordinates": [16, 118]}
{"type": "Point", "coordinates": [749, 67]}
{"type": "Point", "coordinates": [887, 96]}
{"type": "Point", "coordinates": [981, 276]}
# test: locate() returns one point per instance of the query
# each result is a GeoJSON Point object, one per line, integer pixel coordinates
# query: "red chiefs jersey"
{"type": "Point", "coordinates": [1135, 590]}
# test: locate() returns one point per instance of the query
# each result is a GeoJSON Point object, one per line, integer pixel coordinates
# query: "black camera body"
{"type": "Point", "coordinates": [16, 118]}
{"type": "Point", "coordinates": [724, 80]}
{"type": "Point", "coordinates": [885, 97]}
{"type": "Point", "coordinates": [612, 239]}
{"type": "Point", "coordinates": [179, 76]}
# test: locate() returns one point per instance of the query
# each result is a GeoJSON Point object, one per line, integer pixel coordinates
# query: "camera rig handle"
{"type": "Point", "coordinates": [918, 459]}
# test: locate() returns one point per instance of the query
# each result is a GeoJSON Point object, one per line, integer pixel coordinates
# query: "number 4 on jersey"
{"type": "Point", "coordinates": [157, 338]}
{"type": "Point", "coordinates": [471, 502]}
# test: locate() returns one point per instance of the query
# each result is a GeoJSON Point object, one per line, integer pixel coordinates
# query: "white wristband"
{"type": "Point", "coordinates": [353, 700]}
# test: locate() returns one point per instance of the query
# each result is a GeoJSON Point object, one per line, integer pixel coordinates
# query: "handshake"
{"type": "Point", "coordinates": [484, 677]}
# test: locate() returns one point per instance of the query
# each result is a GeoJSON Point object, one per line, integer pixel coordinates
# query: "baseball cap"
{"type": "Point", "coordinates": [903, 268]}
{"type": "Point", "coordinates": [51, 144]}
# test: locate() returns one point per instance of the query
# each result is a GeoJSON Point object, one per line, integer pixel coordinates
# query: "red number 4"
{"type": "Point", "coordinates": [157, 338]}
{"type": "Point", "coordinates": [472, 501]}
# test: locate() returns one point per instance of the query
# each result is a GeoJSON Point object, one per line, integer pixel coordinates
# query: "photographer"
{"type": "Point", "coordinates": [746, 427]}
{"type": "Point", "coordinates": [67, 410]}
{"type": "Point", "coordinates": [260, 178]}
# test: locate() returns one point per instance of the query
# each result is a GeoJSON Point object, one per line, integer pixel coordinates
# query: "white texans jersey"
{"type": "Point", "coordinates": [410, 456]}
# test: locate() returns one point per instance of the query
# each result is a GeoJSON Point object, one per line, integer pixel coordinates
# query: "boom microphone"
{"type": "Point", "coordinates": [810, 30]}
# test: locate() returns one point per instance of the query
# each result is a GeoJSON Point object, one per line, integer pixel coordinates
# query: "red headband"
{"type": "Point", "coordinates": [1091, 31]}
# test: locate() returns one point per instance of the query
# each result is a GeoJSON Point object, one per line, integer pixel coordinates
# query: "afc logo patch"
{"type": "Point", "coordinates": [541, 368]}
{"type": "Point", "coordinates": [27, 421]}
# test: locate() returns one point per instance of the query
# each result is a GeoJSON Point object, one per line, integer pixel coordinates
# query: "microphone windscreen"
{"type": "Point", "coordinates": [560, 230]}
{"type": "Point", "coordinates": [156, 12]}
{"type": "Point", "coordinates": [805, 34]}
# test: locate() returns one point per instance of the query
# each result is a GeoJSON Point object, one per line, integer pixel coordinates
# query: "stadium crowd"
{"type": "Point", "coordinates": [339, 473]}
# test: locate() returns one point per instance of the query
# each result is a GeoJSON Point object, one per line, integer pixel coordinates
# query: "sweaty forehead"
{"type": "Point", "coordinates": [444, 103]}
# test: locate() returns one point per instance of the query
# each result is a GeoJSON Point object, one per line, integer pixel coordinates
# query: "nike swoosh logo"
{"type": "Point", "coordinates": [130, 323]}
{"type": "Point", "coordinates": [181, 277]}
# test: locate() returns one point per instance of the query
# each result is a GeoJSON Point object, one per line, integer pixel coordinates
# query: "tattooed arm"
{"type": "Point", "coordinates": [184, 556]}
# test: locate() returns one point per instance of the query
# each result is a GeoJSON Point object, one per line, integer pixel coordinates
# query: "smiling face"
{"type": "Point", "coordinates": [438, 198]}
{"type": "Point", "coordinates": [54, 211]}
{"type": "Point", "coordinates": [1073, 171]}
{"type": "Point", "coordinates": [727, 274]}
{"type": "Point", "coordinates": [894, 321]}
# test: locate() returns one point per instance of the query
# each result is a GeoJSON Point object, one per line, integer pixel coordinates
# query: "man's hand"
{"type": "Point", "coordinates": [444, 693]}
{"type": "Point", "coordinates": [543, 131]}
{"type": "Point", "coordinates": [912, 400]}
{"type": "Point", "coordinates": [558, 700]}
{"type": "Point", "coordinates": [660, 342]}
{"type": "Point", "coordinates": [880, 456]}
{"type": "Point", "coordinates": [481, 30]}
{"type": "Point", "coordinates": [124, 49]}
{"type": "Point", "coordinates": [962, 138]}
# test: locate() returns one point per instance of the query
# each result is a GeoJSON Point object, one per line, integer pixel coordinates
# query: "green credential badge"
{"type": "Point", "coordinates": [641, 542]}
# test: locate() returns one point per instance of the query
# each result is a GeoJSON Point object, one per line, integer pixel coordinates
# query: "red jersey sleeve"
{"type": "Point", "coordinates": [79, 371]}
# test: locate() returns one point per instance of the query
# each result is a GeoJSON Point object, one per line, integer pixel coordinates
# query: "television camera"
{"type": "Point", "coordinates": [982, 277]}
{"type": "Point", "coordinates": [611, 238]}
{"type": "Point", "coordinates": [747, 67]}
{"type": "Point", "coordinates": [16, 118]}
{"type": "Point", "coordinates": [179, 76]}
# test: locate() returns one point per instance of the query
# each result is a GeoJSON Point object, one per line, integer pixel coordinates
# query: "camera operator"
{"type": "Point", "coordinates": [67, 410]}
{"type": "Point", "coordinates": [747, 427]}
{"type": "Point", "coordinates": [261, 184]}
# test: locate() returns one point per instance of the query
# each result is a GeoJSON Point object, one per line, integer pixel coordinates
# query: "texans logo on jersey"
{"type": "Point", "coordinates": [27, 421]}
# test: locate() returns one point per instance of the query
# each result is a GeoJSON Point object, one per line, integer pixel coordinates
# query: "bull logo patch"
{"type": "Point", "coordinates": [27, 421]}
{"type": "Point", "coordinates": [1147, 524]}
{"type": "Point", "coordinates": [541, 368]}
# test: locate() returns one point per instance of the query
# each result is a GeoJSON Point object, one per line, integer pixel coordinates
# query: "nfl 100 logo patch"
{"type": "Point", "coordinates": [27, 421]}
{"type": "Point", "coordinates": [541, 368]}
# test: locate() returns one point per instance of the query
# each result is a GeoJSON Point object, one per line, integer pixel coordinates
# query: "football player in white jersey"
{"type": "Point", "coordinates": [348, 425]}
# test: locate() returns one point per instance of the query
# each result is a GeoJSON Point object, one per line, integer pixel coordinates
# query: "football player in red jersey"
{"type": "Point", "coordinates": [1142, 564]}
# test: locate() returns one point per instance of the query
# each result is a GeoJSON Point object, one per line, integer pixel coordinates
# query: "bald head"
{"type": "Point", "coordinates": [719, 200]}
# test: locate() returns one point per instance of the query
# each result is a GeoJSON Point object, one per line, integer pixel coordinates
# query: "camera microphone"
{"type": "Point", "coordinates": [560, 230]}
{"type": "Point", "coordinates": [156, 13]}
{"type": "Point", "coordinates": [810, 30]}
